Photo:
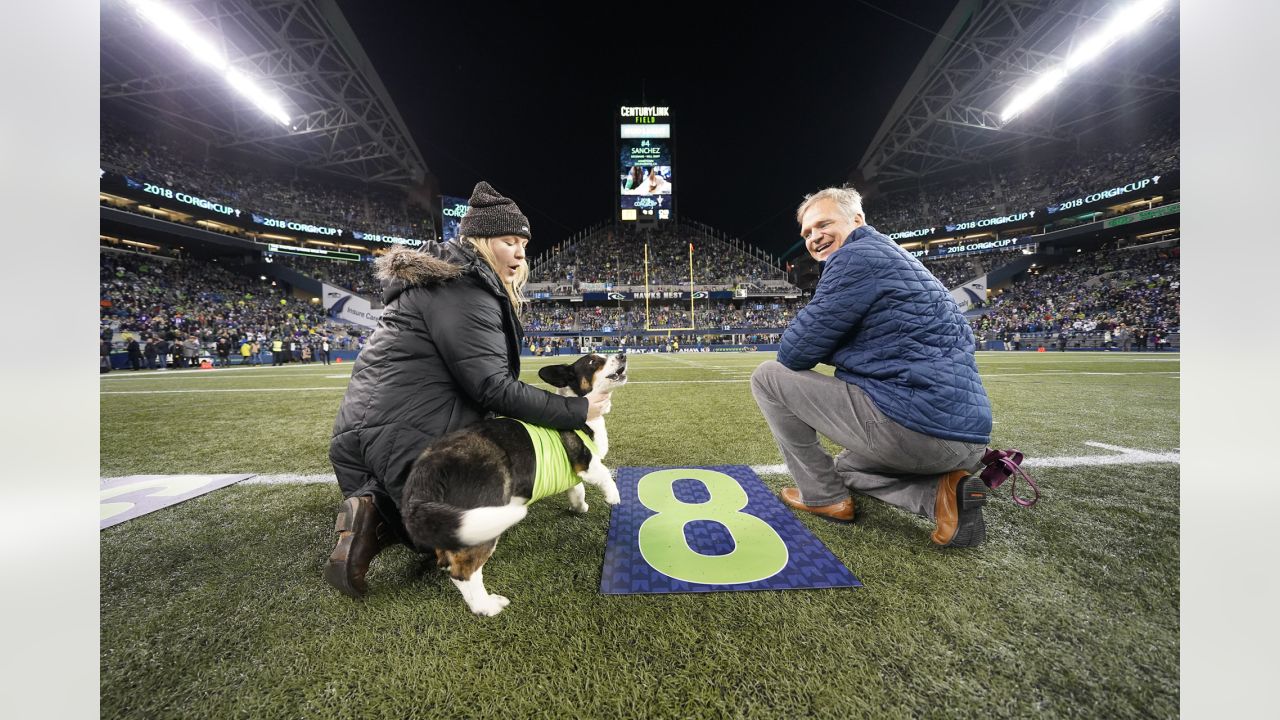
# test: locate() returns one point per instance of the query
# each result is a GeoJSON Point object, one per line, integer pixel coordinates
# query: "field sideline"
{"type": "Point", "coordinates": [215, 607]}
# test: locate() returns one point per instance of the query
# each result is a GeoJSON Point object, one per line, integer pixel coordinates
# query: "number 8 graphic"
{"type": "Point", "coordinates": [758, 552]}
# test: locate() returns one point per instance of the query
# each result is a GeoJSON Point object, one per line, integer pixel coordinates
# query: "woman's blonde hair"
{"type": "Point", "coordinates": [515, 288]}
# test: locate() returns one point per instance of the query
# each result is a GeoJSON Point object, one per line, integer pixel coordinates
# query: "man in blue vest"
{"type": "Point", "coordinates": [906, 402]}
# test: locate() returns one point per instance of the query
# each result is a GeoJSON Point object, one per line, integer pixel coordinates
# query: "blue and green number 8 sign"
{"type": "Point", "coordinates": [759, 552]}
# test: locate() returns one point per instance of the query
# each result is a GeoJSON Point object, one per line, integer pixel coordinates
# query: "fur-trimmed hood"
{"type": "Point", "coordinates": [414, 267]}
{"type": "Point", "coordinates": [402, 268]}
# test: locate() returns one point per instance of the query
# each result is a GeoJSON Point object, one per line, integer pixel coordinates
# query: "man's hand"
{"type": "Point", "coordinates": [599, 404]}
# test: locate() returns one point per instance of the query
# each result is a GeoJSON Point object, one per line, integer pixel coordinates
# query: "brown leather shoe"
{"type": "Point", "coordinates": [958, 510]}
{"type": "Point", "coordinates": [361, 536]}
{"type": "Point", "coordinates": [841, 512]}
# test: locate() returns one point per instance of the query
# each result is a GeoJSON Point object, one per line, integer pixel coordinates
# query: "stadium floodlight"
{"type": "Point", "coordinates": [1128, 19]}
{"type": "Point", "coordinates": [267, 104]}
{"type": "Point", "coordinates": [173, 25]}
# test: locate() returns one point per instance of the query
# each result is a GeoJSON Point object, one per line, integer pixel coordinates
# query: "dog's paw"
{"type": "Point", "coordinates": [612, 497]}
{"type": "Point", "coordinates": [578, 498]}
{"type": "Point", "coordinates": [490, 606]}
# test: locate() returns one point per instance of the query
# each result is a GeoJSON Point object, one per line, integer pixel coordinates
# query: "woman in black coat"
{"type": "Point", "coordinates": [445, 354]}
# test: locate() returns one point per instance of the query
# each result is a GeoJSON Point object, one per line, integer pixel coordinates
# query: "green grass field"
{"type": "Point", "coordinates": [215, 607]}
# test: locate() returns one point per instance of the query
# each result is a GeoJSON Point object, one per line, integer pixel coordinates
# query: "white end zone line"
{"type": "Point", "coordinates": [1124, 456]}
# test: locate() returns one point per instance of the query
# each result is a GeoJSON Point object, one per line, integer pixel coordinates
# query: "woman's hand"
{"type": "Point", "coordinates": [599, 404]}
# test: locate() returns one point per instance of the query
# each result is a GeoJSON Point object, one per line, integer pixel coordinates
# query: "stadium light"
{"type": "Point", "coordinates": [172, 24]}
{"type": "Point", "coordinates": [1128, 19]}
{"type": "Point", "coordinates": [267, 104]}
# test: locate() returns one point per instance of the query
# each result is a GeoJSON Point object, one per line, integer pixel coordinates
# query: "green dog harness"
{"type": "Point", "coordinates": [553, 474]}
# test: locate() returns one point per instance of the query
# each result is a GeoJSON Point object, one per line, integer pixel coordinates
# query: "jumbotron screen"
{"type": "Point", "coordinates": [646, 179]}
{"type": "Point", "coordinates": [452, 210]}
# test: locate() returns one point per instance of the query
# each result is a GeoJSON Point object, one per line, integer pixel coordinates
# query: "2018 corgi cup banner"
{"type": "Point", "coordinates": [710, 529]}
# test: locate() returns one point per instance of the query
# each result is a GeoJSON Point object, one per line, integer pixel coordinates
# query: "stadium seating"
{"type": "Point", "coordinates": [1012, 188]}
{"type": "Point", "coordinates": [617, 257]}
{"type": "Point", "coordinates": [163, 296]}
{"type": "Point", "coordinates": [1090, 294]}
{"type": "Point", "coordinates": [149, 157]}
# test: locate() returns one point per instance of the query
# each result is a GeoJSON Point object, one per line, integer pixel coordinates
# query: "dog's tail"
{"type": "Point", "coordinates": [438, 525]}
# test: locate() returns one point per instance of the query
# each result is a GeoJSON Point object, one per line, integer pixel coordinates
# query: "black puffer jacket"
{"type": "Point", "coordinates": [445, 354]}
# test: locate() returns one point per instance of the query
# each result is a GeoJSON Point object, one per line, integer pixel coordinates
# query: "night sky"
{"type": "Point", "coordinates": [770, 102]}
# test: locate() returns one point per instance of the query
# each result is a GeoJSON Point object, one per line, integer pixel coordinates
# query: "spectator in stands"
{"type": "Point", "coordinates": [191, 352]}
{"type": "Point", "coordinates": [162, 353]}
{"type": "Point", "coordinates": [135, 354]}
{"type": "Point", "coordinates": [906, 402]}
{"type": "Point", "coordinates": [223, 348]}
{"type": "Point", "coordinates": [450, 359]}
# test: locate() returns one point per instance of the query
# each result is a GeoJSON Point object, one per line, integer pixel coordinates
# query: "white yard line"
{"type": "Point", "coordinates": [1124, 456]}
{"type": "Point", "coordinates": [174, 375]}
{"type": "Point", "coordinates": [1077, 372]}
{"type": "Point", "coordinates": [220, 390]}
{"type": "Point", "coordinates": [1127, 456]}
{"type": "Point", "coordinates": [1047, 357]}
{"type": "Point", "coordinates": [341, 388]}
{"type": "Point", "coordinates": [735, 379]}
{"type": "Point", "coordinates": [233, 372]}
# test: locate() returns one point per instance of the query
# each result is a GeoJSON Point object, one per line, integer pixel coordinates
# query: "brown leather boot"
{"type": "Point", "coordinates": [841, 512]}
{"type": "Point", "coordinates": [361, 536]}
{"type": "Point", "coordinates": [958, 510]}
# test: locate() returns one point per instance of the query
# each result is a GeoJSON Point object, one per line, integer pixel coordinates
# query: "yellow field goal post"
{"type": "Point", "coordinates": [692, 317]}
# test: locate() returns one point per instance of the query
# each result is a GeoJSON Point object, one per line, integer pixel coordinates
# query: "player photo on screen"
{"type": "Point", "coordinates": [644, 173]}
{"type": "Point", "coordinates": [652, 180]}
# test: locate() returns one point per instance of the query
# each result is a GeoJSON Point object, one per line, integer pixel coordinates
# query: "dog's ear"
{"type": "Point", "coordinates": [556, 375]}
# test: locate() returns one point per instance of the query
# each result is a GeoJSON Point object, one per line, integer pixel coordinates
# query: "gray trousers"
{"type": "Point", "coordinates": [881, 458]}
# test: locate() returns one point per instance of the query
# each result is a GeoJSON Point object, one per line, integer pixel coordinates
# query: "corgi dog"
{"type": "Point", "coordinates": [470, 486]}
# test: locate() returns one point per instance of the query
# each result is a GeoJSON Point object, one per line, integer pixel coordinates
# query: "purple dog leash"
{"type": "Point", "coordinates": [1000, 465]}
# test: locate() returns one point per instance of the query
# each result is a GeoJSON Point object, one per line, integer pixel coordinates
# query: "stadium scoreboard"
{"type": "Point", "coordinates": [645, 153]}
{"type": "Point", "coordinates": [452, 210]}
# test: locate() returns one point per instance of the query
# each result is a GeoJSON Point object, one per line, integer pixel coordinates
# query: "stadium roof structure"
{"type": "Point", "coordinates": [342, 119]}
{"type": "Point", "coordinates": [948, 113]}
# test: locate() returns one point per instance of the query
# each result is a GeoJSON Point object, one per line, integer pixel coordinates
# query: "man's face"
{"type": "Point", "coordinates": [824, 228]}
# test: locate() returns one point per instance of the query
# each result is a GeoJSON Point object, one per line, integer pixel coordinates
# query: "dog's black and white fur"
{"type": "Point", "coordinates": [470, 486]}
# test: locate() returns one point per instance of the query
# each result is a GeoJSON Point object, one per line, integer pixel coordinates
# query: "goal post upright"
{"type": "Point", "coordinates": [648, 324]}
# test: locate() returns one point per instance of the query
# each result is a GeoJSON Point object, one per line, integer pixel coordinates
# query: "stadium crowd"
{"type": "Point", "coordinates": [1092, 293]}
{"type": "Point", "coordinates": [1026, 186]}
{"type": "Point", "coordinates": [354, 276]}
{"type": "Point", "coordinates": [1113, 292]}
{"type": "Point", "coordinates": [149, 157]}
{"type": "Point", "coordinates": [955, 271]}
{"type": "Point", "coordinates": [746, 315]}
{"type": "Point", "coordinates": [145, 297]}
{"type": "Point", "coordinates": [617, 257]}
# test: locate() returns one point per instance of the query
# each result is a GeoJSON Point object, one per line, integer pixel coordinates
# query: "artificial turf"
{"type": "Point", "coordinates": [215, 607]}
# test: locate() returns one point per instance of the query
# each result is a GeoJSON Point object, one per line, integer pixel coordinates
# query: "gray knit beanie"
{"type": "Point", "coordinates": [491, 215]}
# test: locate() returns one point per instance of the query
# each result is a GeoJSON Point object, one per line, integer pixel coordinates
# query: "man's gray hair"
{"type": "Point", "coordinates": [847, 199]}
